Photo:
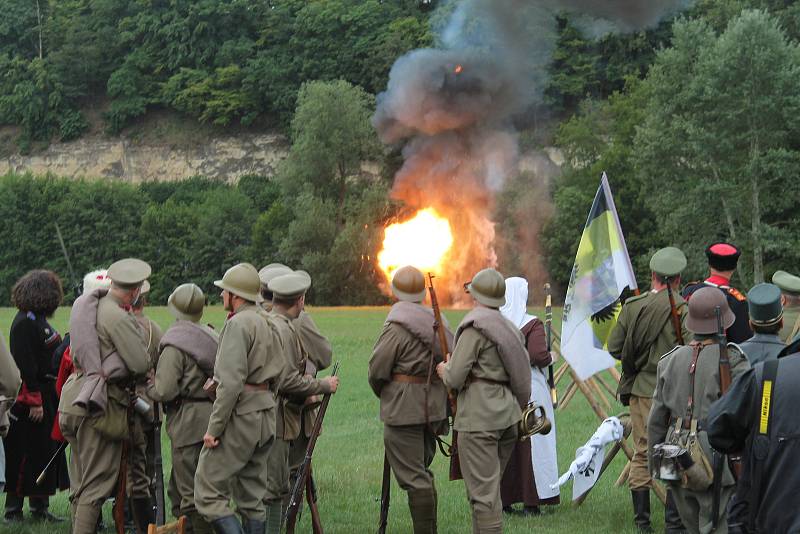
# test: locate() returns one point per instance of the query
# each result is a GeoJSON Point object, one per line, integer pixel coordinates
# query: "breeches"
{"type": "Point", "coordinates": [236, 468]}
{"type": "Point", "coordinates": [184, 466]}
{"type": "Point", "coordinates": [696, 509]}
{"type": "Point", "coordinates": [410, 450]}
{"type": "Point", "coordinates": [640, 474]}
{"type": "Point", "coordinates": [278, 471]}
{"type": "Point", "coordinates": [483, 456]}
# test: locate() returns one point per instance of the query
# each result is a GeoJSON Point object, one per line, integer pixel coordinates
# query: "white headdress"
{"type": "Point", "coordinates": [516, 307]}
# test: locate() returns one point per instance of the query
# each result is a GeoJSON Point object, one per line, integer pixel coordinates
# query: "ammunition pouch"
{"type": "Point", "coordinates": [534, 421]}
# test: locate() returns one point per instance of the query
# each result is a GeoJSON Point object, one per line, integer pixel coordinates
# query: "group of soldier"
{"type": "Point", "coordinates": [694, 365]}
{"type": "Point", "coordinates": [240, 404]}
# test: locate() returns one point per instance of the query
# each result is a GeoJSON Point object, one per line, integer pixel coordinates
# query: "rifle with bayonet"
{"type": "Point", "coordinates": [438, 327]}
{"type": "Point", "coordinates": [76, 283]}
{"type": "Point", "coordinates": [304, 471]}
{"type": "Point", "coordinates": [548, 327]}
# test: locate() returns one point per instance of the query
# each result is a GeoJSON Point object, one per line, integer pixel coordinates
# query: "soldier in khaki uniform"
{"type": "Point", "coordinates": [188, 352]}
{"type": "Point", "coordinates": [95, 458]}
{"type": "Point", "coordinates": [700, 358]}
{"type": "Point", "coordinates": [296, 388]}
{"type": "Point", "coordinates": [413, 404]}
{"type": "Point", "coordinates": [491, 372]}
{"type": "Point", "coordinates": [248, 367]}
{"type": "Point", "coordinates": [645, 331]}
{"type": "Point", "coordinates": [790, 290]}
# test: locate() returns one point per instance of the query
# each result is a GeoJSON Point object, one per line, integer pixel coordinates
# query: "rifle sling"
{"type": "Point", "coordinates": [763, 434]}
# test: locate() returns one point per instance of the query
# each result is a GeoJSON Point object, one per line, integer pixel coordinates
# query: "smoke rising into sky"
{"type": "Point", "coordinates": [452, 108]}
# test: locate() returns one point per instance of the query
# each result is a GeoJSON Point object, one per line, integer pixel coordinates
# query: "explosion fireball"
{"type": "Point", "coordinates": [422, 241]}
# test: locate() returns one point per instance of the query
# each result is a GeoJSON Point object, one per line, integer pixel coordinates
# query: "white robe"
{"type": "Point", "coordinates": [543, 447]}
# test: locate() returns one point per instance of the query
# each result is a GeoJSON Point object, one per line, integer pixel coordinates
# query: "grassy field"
{"type": "Point", "coordinates": [349, 455]}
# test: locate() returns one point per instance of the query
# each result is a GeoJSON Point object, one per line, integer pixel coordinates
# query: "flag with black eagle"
{"type": "Point", "coordinates": [601, 273]}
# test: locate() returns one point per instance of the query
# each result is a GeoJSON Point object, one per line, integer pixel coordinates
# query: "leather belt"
{"type": "Point", "coordinates": [256, 387]}
{"type": "Point", "coordinates": [471, 379]}
{"type": "Point", "coordinates": [409, 379]}
{"type": "Point", "coordinates": [195, 399]}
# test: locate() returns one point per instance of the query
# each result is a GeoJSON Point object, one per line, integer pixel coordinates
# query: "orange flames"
{"type": "Point", "coordinates": [423, 241]}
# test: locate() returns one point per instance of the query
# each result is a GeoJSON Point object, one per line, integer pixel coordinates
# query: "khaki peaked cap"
{"type": "Point", "coordinates": [489, 288]}
{"type": "Point", "coordinates": [241, 280]}
{"type": "Point", "coordinates": [272, 271]}
{"type": "Point", "coordinates": [292, 285]}
{"type": "Point", "coordinates": [702, 317]}
{"type": "Point", "coordinates": [408, 284]}
{"type": "Point", "coordinates": [788, 283]}
{"type": "Point", "coordinates": [145, 287]}
{"type": "Point", "coordinates": [187, 302]}
{"type": "Point", "coordinates": [129, 273]}
{"type": "Point", "coordinates": [669, 261]}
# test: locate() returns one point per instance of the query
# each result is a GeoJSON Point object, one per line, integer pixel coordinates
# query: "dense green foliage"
{"type": "Point", "coordinates": [220, 61]}
{"type": "Point", "coordinates": [704, 148]}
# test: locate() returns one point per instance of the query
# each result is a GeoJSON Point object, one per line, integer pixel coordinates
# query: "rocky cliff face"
{"type": "Point", "coordinates": [223, 158]}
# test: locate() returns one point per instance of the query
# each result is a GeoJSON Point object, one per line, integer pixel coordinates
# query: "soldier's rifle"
{"type": "Point", "coordinates": [386, 485]}
{"type": "Point", "coordinates": [158, 465]}
{"type": "Point", "coordinates": [673, 311]}
{"type": "Point", "coordinates": [455, 465]}
{"type": "Point", "coordinates": [118, 511]}
{"type": "Point", "coordinates": [304, 471]}
{"type": "Point", "coordinates": [724, 386]}
{"type": "Point", "coordinates": [76, 284]}
{"type": "Point", "coordinates": [548, 327]}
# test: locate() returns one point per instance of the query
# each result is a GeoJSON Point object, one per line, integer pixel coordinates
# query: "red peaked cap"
{"type": "Point", "coordinates": [723, 256]}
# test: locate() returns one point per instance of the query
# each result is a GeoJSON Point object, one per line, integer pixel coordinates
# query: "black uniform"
{"type": "Point", "coordinates": [735, 423]}
{"type": "Point", "coordinates": [740, 330]}
{"type": "Point", "coordinates": [28, 444]}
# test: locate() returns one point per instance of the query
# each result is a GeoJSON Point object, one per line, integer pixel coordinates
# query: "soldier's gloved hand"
{"type": "Point", "coordinates": [210, 441]}
{"type": "Point", "coordinates": [440, 370]}
{"type": "Point", "coordinates": [331, 383]}
{"type": "Point", "coordinates": [553, 357]}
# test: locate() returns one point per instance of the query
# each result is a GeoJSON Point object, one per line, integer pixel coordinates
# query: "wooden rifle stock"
{"type": "Point", "coordinates": [724, 362]}
{"type": "Point", "coordinates": [455, 465]}
{"type": "Point", "coordinates": [303, 472]}
{"type": "Point", "coordinates": [548, 327]}
{"type": "Point", "coordinates": [673, 311]}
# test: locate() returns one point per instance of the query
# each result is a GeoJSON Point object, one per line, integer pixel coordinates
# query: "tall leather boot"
{"type": "Point", "coordinates": [274, 517]}
{"type": "Point", "coordinates": [227, 525]}
{"type": "Point", "coordinates": [253, 526]}
{"type": "Point", "coordinates": [199, 524]}
{"type": "Point", "coordinates": [143, 513]}
{"type": "Point", "coordinates": [422, 505]}
{"type": "Point", "coordinates": [672, 519]}
{"type": "Point", "coordinates": [641, 509]}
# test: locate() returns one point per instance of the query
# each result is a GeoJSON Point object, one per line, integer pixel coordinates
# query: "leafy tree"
{"type": "Point", "coordinates": [718, 147]}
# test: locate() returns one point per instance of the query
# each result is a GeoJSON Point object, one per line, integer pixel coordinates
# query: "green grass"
{"type": "Point", "coordinates": [349, 455]}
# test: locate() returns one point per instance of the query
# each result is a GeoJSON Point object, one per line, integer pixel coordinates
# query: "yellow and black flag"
{"type": "Point", "coordinates": [602, 271]}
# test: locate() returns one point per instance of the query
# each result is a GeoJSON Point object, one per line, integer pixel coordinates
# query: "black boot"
{"type": "Point", "coordinates": [641, 510]}
{"type": "Point", "coordinates": [253, 526]}
{"type": "Point", "coordinates": [672, 519]}
{"type": "Point", "coordinates": [143, 513]}
{"type": "Point", "coordinates": [227, 525]}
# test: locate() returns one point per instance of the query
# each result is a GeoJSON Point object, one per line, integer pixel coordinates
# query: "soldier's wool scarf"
{"type": "Point", "coordinates": [418, 320]}
{"type": "Point", "coordinates": [503, 333]}
{"type": "Point", "coordinates": [85, 350]}
{"type": "Point", "coordinates": [198, 341]}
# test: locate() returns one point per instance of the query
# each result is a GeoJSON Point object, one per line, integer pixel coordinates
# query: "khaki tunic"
{"type": "Point", "coordinates": [317, 346]}
{"type": "Point", "coordinates": [250, 352]}
{"type": "Point", "coordinates": [409, 443]}
{"type": "Point", "coordinates": [790, 317]}
{"type": "Point", "coordinates": [669, 403]}
{"type": "Point", "coordinates": [295, 387]}
{"type": "Point", "coordinates": [94, 461]}
{"type": "Point", "coordinates": [179, 384]}
{"type": "Point", "coordinates": [486, 422]}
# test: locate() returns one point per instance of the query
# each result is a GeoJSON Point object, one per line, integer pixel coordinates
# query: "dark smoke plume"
{"type": "Point", "coordinates": [452, 108]}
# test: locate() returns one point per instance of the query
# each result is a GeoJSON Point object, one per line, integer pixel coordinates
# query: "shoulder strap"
{"type": "Point", "coordinates": [696, 346]}
{"type": "Point", "coordinates": [762, 442]}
